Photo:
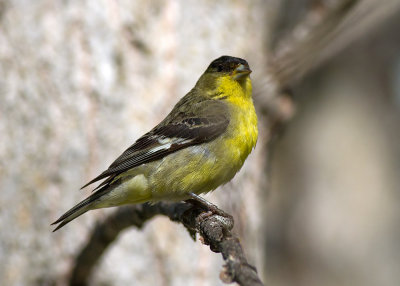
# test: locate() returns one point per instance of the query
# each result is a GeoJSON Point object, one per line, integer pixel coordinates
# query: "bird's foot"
{"type": "Point", "coordinates": [212, 210]}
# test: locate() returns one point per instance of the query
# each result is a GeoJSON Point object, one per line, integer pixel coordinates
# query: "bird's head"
{"type": "Point", "coordinates": [226, 73]}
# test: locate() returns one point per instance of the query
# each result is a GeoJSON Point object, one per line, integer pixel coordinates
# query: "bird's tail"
{"type": "Point", "coordinates": [80, 208]}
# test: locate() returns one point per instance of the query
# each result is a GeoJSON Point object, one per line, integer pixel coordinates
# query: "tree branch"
{"type": "Point", "coordinates": [212, 228]}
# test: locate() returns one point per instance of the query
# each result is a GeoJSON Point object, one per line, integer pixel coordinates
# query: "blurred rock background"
{"type": "Point", "coordinates": [81, 80]}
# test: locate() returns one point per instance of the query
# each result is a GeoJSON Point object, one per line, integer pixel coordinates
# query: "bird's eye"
{"type": "Point", "coordinates": [220, 68]}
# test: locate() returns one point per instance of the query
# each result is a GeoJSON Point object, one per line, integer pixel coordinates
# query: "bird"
{"type": "Point", "coordinates": [201, 144]}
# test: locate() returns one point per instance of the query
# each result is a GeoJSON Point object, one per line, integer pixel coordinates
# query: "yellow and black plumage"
{"type": "Point", "coordinates": [200, 145]}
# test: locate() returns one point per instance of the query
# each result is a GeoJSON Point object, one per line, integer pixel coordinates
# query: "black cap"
{"type": "Point", "coordinates": [226, 64]}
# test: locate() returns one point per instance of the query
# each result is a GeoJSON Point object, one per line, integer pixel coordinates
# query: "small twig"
{"type": "Point", "coordinates": [211, 228]}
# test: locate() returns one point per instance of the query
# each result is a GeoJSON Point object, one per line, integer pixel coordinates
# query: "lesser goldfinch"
{"type": "Point", "coordinates": [200, 145]}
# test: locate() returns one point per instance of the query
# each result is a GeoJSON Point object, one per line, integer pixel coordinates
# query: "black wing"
{"type": "Point", "coordinates": [165, 139]}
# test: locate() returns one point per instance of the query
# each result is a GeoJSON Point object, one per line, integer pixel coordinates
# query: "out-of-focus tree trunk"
{"type": "Point", "coordinates": [80, 81]}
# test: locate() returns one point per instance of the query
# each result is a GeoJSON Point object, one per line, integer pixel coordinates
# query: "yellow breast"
{"type": "Point", "coordinates": [242, 130]}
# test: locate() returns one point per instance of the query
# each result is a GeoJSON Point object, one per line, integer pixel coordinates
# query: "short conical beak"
{"type": "Point", "coordinates": [241, 71]}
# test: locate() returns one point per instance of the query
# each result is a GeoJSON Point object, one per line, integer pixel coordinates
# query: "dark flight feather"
{"type": "Point", "coordinates": [182, 132]}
